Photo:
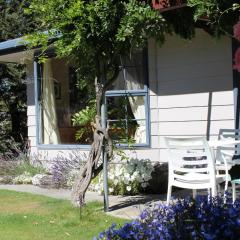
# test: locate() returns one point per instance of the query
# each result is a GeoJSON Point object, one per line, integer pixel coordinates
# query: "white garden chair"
{"type": "Point", "coordinates": [191, 165]}
{"type": "Point", "coordinates": [226, 155]}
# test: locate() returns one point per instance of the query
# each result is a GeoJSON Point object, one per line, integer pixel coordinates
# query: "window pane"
{"type": "Point", "coordinates": [128, 132]}
{"type": "Point", "coordinates": [133, 73]}
{"type": "Point", "coordinates": [61, 99]}
{"type": "Point", "coordinates": [127, 118]}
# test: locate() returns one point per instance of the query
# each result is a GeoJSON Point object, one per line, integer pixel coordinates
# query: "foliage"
{"type": "Point", "coordinates": [83, 119]}
{"type": "Point", "coordinates": [26, 167]}
{"type": "Point", "coordinates": [24, 178]}
{"type": "Point", "coordinates": [96, 33]}
{"type": "Point", "coordinates": [64, 169]}
{"type": "Point", "coordinates": [221, 14]}
{"type": "Point", "coordinates": [17, 163]}
{"type": "Point", "coordinates": [236, 34]}
{"type": "Point", "coordinates": [13, 102]}
{"type": "Point", "coordinates": [14, 23]}
{"type": "Point", "coordinates": [203, 218]}
{"type": "Point", "coordinates": [26, 216]}
{"type": "Point", "coordinates": [128, 177]}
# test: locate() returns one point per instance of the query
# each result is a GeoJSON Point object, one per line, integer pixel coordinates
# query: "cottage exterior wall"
{"type": "Point", "coordinates": [190, 93]}
{"type": "Point", "coordinates": [192, 82]}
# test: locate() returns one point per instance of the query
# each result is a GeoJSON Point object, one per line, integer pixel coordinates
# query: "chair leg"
{"type": "Point", "coordinates": [209, 191]}
{"type": "Point", "coordinates": [169, 193]}
{"type": "Point", "coordinates": [226, 185]}
{"type": "Point", "coordinates": [214, 191]}
{"type": "Point", "coordinates": [194, 191]}
{"type": "Point", "coordinates": [233, 191]}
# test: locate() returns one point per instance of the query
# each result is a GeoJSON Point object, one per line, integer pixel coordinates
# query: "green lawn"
{"type": "Point", "coordinates": [26, 216]}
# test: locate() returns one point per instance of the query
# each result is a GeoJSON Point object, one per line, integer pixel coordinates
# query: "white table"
{"type": "Point", "coordinates": [223, 143]}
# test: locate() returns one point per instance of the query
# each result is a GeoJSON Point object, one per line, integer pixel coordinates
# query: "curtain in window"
{"type": "Point", "coordinates": [50, 126]}
{"type": "Point", "coordinates": [137, 103]}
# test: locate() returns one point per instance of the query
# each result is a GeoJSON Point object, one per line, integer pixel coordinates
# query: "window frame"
{"type": "Point", "coordinates": [133, 93]}
{"type": "Point", "coordinates": [40, 145]}
{"type": "Point", "coordinates": [138, 92]}
{"type": "Point", "coordinates": [111, 93]}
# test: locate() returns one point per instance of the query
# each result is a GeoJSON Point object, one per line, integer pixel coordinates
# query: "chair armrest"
{"type": "Point", "coordinates": [227, 153]}
{"type": "Point", "coordinates": [225, 163]}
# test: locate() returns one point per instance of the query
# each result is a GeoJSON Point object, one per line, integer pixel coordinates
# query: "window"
{"type": "Point", "coordinates": [127, 102]}
{"type": "Point", "coordinates": [60, 99]}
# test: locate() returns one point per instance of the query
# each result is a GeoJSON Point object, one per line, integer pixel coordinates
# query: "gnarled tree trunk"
{"type": "Point", "coordinates": [92, 167]}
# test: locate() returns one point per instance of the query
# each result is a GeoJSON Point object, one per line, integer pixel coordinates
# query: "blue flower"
{"type": "Point", "coordinates": [203, 218]}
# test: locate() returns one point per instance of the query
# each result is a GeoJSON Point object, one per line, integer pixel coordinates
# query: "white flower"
{"type": "Point", "coordinates": [115, 181]}
{"type": "Point", "coordinates": [24, 178]}
{"type": "Point", "coordinates": [126, 181]}
{"type": "Point", "coordinates": [127, 176]}
{"type": "Point", "coordinates": [144, 185]}
{"type": "Point", "coordinates": [111, 176]}
{"type": "Point", "coordinates": [111, 190]}
{"type": "Point", "coordinates": [129, 188]}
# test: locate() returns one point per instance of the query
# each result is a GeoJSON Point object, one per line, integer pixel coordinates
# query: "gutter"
{"type": "Point", "coordinates": [12, 46]}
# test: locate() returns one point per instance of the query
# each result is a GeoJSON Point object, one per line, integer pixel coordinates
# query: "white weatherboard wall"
{"type": "Point", "coordinates": [31, 109]}
{"type": "Point", "coordinates": [190, 88]}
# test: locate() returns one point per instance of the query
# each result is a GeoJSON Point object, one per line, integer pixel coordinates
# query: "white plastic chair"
{"type": "Point", "coordinates": [191, 165]}
{"type": "Point", "coordinates": [226, 155]}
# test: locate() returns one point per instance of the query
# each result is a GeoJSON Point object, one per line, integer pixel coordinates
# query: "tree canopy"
{"type": "Point", "coordinates": [221, 15]}
{"type": "Point", "coordinates": [97, 32]}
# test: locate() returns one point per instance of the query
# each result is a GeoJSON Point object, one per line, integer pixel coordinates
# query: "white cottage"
{"type": "Point", "coordinates": [184, 88]}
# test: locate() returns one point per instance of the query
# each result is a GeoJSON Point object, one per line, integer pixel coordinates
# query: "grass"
{"type": "Point", "coordinates": [26, 216]}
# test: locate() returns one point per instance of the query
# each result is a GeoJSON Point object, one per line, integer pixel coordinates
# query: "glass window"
{"type": "Point", "coordinates": [127, 119]}
{"type": "Point", "coordinates": [133, 72]}
{"type": "Point", "coordinates": [61, 99]}
{"type": "Point", "coordinates": [66, 105]}
{"type": "Point", "coordinates": [127, 107]}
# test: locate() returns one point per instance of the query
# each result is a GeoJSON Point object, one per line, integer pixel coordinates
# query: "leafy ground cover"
{"type": "Point", "coordinates": [25, 216]}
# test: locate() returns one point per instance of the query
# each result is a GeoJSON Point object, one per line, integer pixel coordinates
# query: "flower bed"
{"type": "Point", "coordinates": [128, 177]}
{"type": "Point", "coordinates": [202, 218]}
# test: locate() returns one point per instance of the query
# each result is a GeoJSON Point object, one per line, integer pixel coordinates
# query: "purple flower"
{"type": "Point", "coordinates": [203, 218]}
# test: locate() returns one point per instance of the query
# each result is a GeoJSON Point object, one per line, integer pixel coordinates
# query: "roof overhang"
{"type": "Point", "coordinates": [14, 51]}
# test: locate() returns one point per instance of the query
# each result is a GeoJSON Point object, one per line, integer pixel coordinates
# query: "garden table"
{"type": "Point", "coordinates": [225, 143]}
{"type": "Point", "coordinates": [230, 164]}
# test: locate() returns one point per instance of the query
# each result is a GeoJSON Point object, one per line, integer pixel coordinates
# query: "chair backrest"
{"type": "Point", "coordinates": [225, 134]}
{"type": "Point", "coordinates": [190, 156]}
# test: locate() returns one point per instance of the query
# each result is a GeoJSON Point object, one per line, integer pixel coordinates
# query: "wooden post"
{"type": "Point", "coordinates": [105, 158]}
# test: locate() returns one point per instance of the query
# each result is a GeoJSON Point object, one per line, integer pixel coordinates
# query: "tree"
{"type": "Point", "coordinates": [221, 14]}
{"type": "Point", "coordinates": [96, 33]}
{"type": "Point", "coordinates": [14, 23]}
{"type": "Point", "coordinates": [224, 17]}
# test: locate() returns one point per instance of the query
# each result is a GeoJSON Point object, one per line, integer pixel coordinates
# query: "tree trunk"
{"type": "Point", "coordinates": [92, 167]}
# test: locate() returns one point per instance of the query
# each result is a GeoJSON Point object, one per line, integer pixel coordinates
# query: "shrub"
{"type": "Point", "coordinates": [129, 177]}
{"type": "Point", "coordinates": [202, 218]}
{"type": "Point", "coordinates": [64, 169]}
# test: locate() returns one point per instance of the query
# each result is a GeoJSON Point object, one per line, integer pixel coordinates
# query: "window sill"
{"type": "Point", "coordinates": [87, 147]}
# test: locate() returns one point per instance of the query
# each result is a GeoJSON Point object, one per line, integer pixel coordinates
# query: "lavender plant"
{"type": "Point", "coordinates": [64, 169]}
{"type": "Point", "coordinates": [203, 218]}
